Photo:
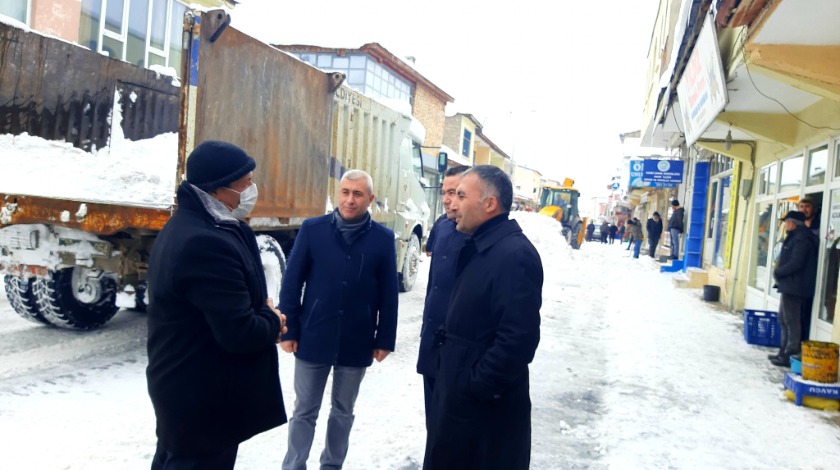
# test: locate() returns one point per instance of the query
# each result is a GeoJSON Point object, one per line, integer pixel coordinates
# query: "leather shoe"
{"type": "Point", "coordinates": [781, 361]}
{"type": "Point", "coordinates": [772, 356]}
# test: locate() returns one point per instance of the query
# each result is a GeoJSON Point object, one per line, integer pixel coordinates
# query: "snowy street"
{"type": "Point", "coordinates": [631, 372]}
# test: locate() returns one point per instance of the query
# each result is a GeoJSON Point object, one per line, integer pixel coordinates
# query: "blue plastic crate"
{"type": "Point", "coordinates": [762, 327]}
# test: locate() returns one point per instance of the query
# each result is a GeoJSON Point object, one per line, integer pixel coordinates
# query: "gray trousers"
{"type": "Point", "coordinates": [675, 243]}
{"type": "Point", "coordinates": [790, 310]}
{"type": "Point", "coordinates": [310, 382]}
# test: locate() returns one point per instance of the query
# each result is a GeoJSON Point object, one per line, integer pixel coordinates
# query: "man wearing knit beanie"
{"type": "Point", "coordinates": [212, 373]}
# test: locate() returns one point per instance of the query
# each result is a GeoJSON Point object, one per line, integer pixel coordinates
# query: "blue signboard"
{"type": "Point", "coordinates": [655, 173]}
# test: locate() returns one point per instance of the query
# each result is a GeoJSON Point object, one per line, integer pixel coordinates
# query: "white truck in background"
{"type": "Point", "coordinates": [69, 251]}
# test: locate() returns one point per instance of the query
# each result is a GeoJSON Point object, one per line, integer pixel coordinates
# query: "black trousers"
{"type": "Point", "coordinates": [221, 460]}
{"type": "Point", "coordinates": [790, 311]}
{"type": "Point", "coordinates": [652, 243]}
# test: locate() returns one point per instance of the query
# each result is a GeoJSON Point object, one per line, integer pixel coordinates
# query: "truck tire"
{"type": "Point", "coordinates": [70, 299]}
{"type": "Point", "coordinates": [19, 293]}
{"type": "Point", "coordinates": [274, 265]}
{"type": "Point", "coordinates": [408, 275]}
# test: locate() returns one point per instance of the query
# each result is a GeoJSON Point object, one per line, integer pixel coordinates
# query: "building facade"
{"type": "Point", "coordinates": [749, 92]}
{"type": "Point", "coordinates": [143, 32]}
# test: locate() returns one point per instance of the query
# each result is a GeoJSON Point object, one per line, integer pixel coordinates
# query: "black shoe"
{"type": "Point", "coordinates": [772, 356]}
{"type": "Point", "coordinates": [781, 361]}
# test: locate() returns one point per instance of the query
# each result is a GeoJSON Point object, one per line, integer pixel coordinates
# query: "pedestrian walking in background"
{"type": "Point", "coordinates": [796, 278]}
{"type": "Point", "coordinates": [676, 226]}
{"type": "Point", "coordinates": [654, 231]}
{"type": "Point", "coordinates": [482, 405]}
{"type": "Point", "coordinates": [631, 239]}
{"type": "Point", "coordinates": [605, 231]}
{"type": "Point", "coordinates": [213, 373]}
{"type": "Point", "coordinates": [590, 229]}
{"type": "Point", "coordinates": [445, 250]}
{"type": "Point", "coordinates": [613, 233]}
{"type": "Point", "coordinates": [635, 228]}
{"type": "Point", "coordinates": [344, 265]}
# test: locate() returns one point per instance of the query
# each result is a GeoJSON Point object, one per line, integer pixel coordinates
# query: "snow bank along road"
{"type": "Point", "coordinates": [630, 373]}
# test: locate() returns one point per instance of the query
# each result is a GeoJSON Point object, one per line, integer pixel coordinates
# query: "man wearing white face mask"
{"type": "Point", "coordinates": [213, 373]}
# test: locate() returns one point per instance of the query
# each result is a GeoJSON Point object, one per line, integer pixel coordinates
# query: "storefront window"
{"type": "Point", "coordinates": [791, 174]}
{"type": "Point", "coordinates": [782, 208]}
{"type": "Point", "coordinates": [832, 261]}
{"type": "Point", "coordinates": [713, 194]}
{"type": "Point", "coordinates": [722, 221]}
{"type": "Point", "coordinates": [817, 161]}
{"type": "Point", "coordinates": [767, 179]}
{"type": "Point", "coordinates": [760, 245]}
{"type": "Point", "coordinates": [837, 161]}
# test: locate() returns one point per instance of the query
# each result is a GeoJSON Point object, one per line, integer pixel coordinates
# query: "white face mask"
{"type": "Point", "coordinates": [247, 201]}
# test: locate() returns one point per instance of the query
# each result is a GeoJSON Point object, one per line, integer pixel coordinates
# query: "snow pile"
{"type": "Point", "coordinates": [138, 173]}
{"type": "Point", "coordinates": [134, 173]}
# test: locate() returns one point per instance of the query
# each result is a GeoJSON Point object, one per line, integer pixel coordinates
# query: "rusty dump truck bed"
{"type": "Point", "coordinates": [234, 88]}
{"type": "Point", "coordinates": [275, 107]}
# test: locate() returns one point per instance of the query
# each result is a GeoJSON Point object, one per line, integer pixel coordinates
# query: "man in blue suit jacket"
{"type": "Point", "coordinates": [347, 264]}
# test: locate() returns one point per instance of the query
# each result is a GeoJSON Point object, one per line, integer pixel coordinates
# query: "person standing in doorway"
{"type": "Point", "coordinates": [812, 216]}
{"type": "Point", "coordinates": [481, 415]}
{"type": "Point", "coordinates": [808, 206]}
{"type": "Point", "coordinates": [343, 265]}
{"type": "Point", "coordinates": [675, 227]}
{"type": "Point", "coordinates": [796, 278]}
{"type": "Point", "coordinates": [654, 230]}
{"type": "Point", "coordinates": [447, 245]}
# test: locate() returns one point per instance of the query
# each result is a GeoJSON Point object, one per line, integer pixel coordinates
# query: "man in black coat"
{"type": "Point", "coordinates": [481, 404]}
{"type": "Point", "coordinates": [654, 230]}
{"type": "Point", "coordinates": [444, 249]}
{"type": "Point", "coordinates": [676, 226]}
{"type": "Point", "coordinates": [213, 373]}
{"type": "Point", "coordinates": [796, 278]}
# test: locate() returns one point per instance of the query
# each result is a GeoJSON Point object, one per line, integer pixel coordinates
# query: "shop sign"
{"type": "Point", "coordinates": [656, 173]}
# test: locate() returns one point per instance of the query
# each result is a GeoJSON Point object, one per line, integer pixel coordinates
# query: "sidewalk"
{"type": "Point", "coordinates": [680, 387]}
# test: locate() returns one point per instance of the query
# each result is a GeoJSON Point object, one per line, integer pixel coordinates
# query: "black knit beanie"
{"type": "Point", "coordinates": [214, 164]}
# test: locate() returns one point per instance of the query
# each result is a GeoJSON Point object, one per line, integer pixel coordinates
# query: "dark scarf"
{"type": "Point", "coordinates": [351, 229]}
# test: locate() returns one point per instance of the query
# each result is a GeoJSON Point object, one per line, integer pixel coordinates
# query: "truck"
{"type": "Point", "coordinates": [561, 203]}
{"type": "Point", "coordinates": [94, 149]}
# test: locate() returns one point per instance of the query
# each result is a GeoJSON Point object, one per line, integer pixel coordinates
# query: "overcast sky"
{"type": "Point", "coordinates": [553, 83]}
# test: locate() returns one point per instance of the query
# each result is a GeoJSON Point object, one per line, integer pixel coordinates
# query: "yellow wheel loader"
{"type": "Point", "coordinates": [561, 204]}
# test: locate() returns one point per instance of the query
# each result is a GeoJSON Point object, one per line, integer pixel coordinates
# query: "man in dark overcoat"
{"type": "Point", "coordinates": [444, 249]}
{"type": "Point", "coordinates": [212, 374]}
{"type": "Point", "coordinates": [340, 295]}
{"type": "Point", "coordinates": [654, 231]}
{"type": "Point", "coordinates": [481, 403]}
{"type": "Point", "coordinates": [796, 278]}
